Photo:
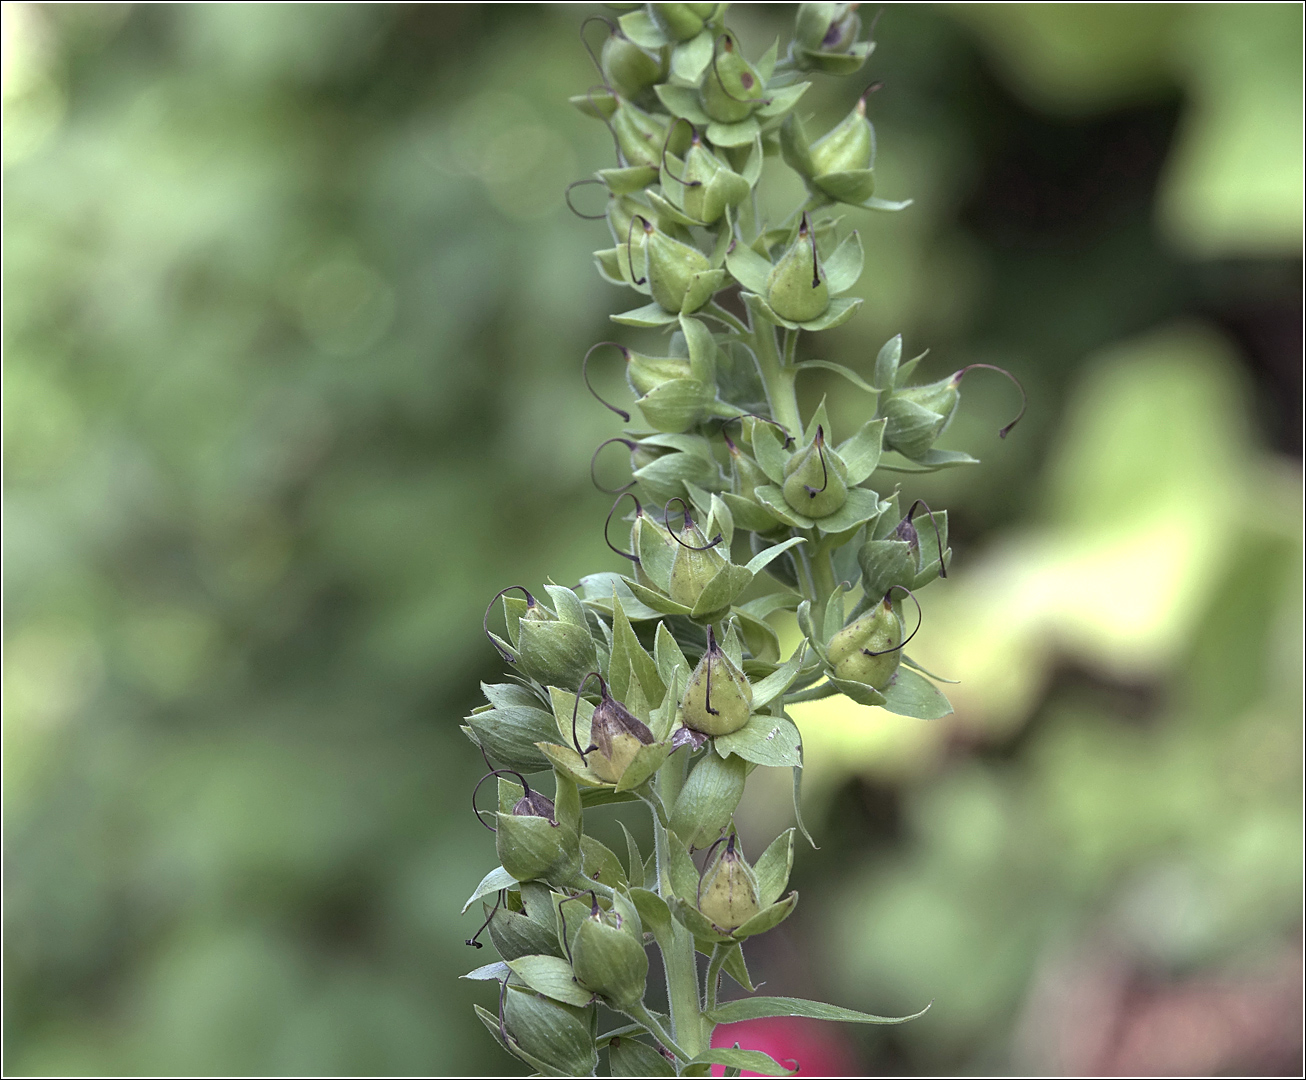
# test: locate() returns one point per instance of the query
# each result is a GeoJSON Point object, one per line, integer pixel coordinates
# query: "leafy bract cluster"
{"type": "Point", "coordinates": [668, 684]}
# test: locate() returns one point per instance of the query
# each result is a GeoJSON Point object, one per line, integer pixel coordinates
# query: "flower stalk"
{"type": "Point", "coordinates": [659, 681]}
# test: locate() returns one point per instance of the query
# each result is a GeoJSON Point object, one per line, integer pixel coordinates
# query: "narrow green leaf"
{"type": "Point", "coordinates": [909, 662]}
{"type": "Point", "coordinates": [752, 1060]}
{"type": "Point", "coordinates": [758, 1008]}
{"type": "Point", "coordinates": [798, 800]}
{"type": "Point", "coordinates": [840, 369]}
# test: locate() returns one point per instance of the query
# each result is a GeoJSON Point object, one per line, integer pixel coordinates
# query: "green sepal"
{"type": "Point", "coordinates": [552, 977]}
{"type": "Point", "coordinates": [750, 515]}
{"type": "Point", "coordinates": [770, 454]}
{"type": "Point", "coordinates": [764, 558]}
{"type": "Point", "coordinates": [862, 505]}
{"type": "Point", "coordinates": [887, 361]}
{"type": "Point", "coordinates": [853, 186]}
{"type": "Point", "coordinates": [599, 106]}
{"type": "Point", "coordinates": [649, 315]}
{"type": "Point", "coordinates": [886, 563]}
{"type": "Point", "coordinates": [775, 684]}
{"type": "Point", "coordinates": [696, 922]}
{"type": "Point", "coordinates": [531, 930]}
{"type": "Point", "coordinates": [683, 101]}
{"type": "Point", "coordinates": [735, 967]}
{"type": "Point", "coordinates": [708, 799]}
{"type": "Point", "coordinates": [600, 863]}
{"type": "Point", "coordinates": [719, 593]}
{"type": "Point", "coordinates": [491, 1022]}
{"type": "Point", "coordinates": [910, 694]}
{"type": "Point", "coordinates": [890, 205]}
{"type": "Point", "coordinates": [635, 871]}
{"type": "Point", "coordinates": [495, 971]}
{"type": "Point", "coordinates": [683, 873]}
{"type": "Point", "coordinates": [740, 133]}
{"type": "Point", "coordinates": [629, 1057]}
{"type": "Point", "coordinates": [689, 59]}
{"type": "Point", "coordinates": [861, 453]}
{"type": "Point", "coordinates": [764, 740]}
{"type": "Point", "coordinates": [627, 649]}
{"type": "Point", "coordinates": [638, 25]}
{"type": "Point", "coordinates": [509, 735]}
{"type": "Point", "coordinates": [656, 600]}
{"type": "Point", "coordinates": [773, 868]}
{"type": "Point", "coordinates": [668, 654]}
{"type": "Point", "coordinates": [597, 590]}
{"type": "Point", "coordinates": [909, 662]}
{"type": "Point", "coordinates": [859, 692]}
{"type": "Point", "coordinates": [768, 918]}
{"type": "Point", "coordinates": [496, 879]}
{"type": "Point", "coordinates": [560, 651]}
{"type": "Point", "coordinates": [841, 309]}
{"type": "Point", "coordinates": [931, 461]}
{"type": "Point", "coordinates": [759, 1008]}
{"type": "Point", "coordinates": [834, 614]}
{"type": "Point", "coordinates": [773, 498]}
{"type": "Point", "coordinates": [782, 100]}
{"type": "Point", "coordinates": [844, 265]}
{"type": "Point", "coordinates": [805, 624]}
{"type": "Point", "coordinates": [748, 268]}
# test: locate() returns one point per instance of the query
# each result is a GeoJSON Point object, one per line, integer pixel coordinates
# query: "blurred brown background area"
{"type": "Point", "coordinates": [293, 325]}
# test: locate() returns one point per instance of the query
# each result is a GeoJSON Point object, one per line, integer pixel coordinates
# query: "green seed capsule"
{"type": "Point", "coordinates": [719, 698]}
{"type": "Point", "coordinates": [629, 69]}
{"type": "Point", "coordinates": [867, 650]}
{"type": "Point", "coordinates": [616, 736]}
{"type": "Point", "coordinates": [727, 890]}
{"type": "Point", "coordinates": [815, 482]}
{"type": "Point", "coordinates": [846, 146]}
{"type": "Point", "coordinates": [796, 288]}
{"type": "Point", "coordinates": [732, 88]}
{"type": "Point", "coordinates": [694, 564]}
{"type": "Point", "coordinates": [607, 954]}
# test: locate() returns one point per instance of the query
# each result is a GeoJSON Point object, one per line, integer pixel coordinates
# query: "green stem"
{"type": "Point", "coordinates": [714, 975]}
{"type": "Point", "coordinates": [678, 958]}
{"type": "Point", "coordinates": [778, 380]}
{"type": "Point", "coordinates": [638, 1012]}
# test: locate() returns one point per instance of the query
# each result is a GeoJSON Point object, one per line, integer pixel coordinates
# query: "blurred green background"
{"type": "Point", "coordinates": [293, 324]}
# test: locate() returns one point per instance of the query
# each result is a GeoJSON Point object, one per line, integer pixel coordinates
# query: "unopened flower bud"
{"type": "Point", "coordinates": [868, 649]}
{"type": "Point", "coordinates": [727, 889]}
{"type": "Point", "coordinates": [732, 88]}
{"type": "Point", "coordinates": [607, 954]}
{"type": "Point", "coordinates": [719, 698]}
{"type": "Point", "coordinates": [695, 563]}
{"type": "Point", "coordinates": [815, 482]}
{"type": "Point", "coordinates": [796, 288]}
